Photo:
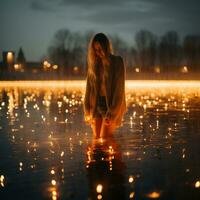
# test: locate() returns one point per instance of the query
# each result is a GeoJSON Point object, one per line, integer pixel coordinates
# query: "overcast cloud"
{"type": "Point", "coordinates": [32, 23]}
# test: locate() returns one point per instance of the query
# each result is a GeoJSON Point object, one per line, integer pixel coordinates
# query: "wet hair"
{"type": "Point", "coordinates": [92, 59]}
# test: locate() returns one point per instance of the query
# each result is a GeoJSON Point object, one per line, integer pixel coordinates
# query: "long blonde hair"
{"type": "Point", "coordinates": [92, 60]}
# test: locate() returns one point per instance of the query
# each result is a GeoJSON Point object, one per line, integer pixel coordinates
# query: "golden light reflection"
{"type": "Point", "coordinates": [99, 188]}
{"type": "Point", "coordinates": [197, 184]}
{"type": "Point", "coordinates": [2, 179]}
{"type": "Point", "coordinates": [10, 57]}
{"type": "Point", "coordinates": [131, 195]}
{"type": "Point", "coordinates": [53, 192]}
{"type": "Point", "coordinates": [131, 179]}
{"type": "Point", "coordinates": [184, 69]}
{"type": "Point", "coordinates": [153, 195]}
{"type": "Point", "coordinates": [53, 182]}
{"type": "Point", "coordinates": [54, 195]}
{"type": "Point", "coordinates": [40, 111]}
{"type": "Point", "coordinates": [99, 196]}
{"type": "Point", "coordinates": [137, 69]}
{"type": "Point", "coordinates": [80, 84]}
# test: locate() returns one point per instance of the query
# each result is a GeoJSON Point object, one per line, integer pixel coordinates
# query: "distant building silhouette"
{"type": "Point", "coordinates": [10, 64]}
{"type": "Point", "coordinates": [8, 60]}
{"type": "Point", "coordinates": [21, 59]}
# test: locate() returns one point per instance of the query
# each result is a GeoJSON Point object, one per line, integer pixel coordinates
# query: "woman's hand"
{"type": "Point", "coordinates": [88, 119]}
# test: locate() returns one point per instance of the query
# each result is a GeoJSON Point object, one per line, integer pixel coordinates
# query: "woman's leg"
{"type": "Point", "coordinates": [96, 127]}
{"type": "Point", "coordinates": [107, 130]}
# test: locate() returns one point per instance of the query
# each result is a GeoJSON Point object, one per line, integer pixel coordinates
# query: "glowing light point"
{"type": "Point", "coordinates": [131, 179]}
{"type": "Point", "coordinates": [99, 196]}
{"type": "Point", "coordinates": [132, 194]}
{"type": "Point", "coordinates": [53, 182]}
{"type": "Point", "coordinates": [153, 195]}
{"type": "Point", "coordinates": [99, 188]}
{"type": "Point", "coordinates": [2, 178]}
{"type": "Point", "coordinates": [197, 184]}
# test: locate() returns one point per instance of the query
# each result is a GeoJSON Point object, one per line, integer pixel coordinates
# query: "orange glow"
{"type": "Point", "coordinates": [197, 184]}
{"type": "Point", "coordinates": [157, 69]}
{"type": "Point", "coordinates": [75, 68]}
{"type": "Point", "coordinates": [137, 69]}
{"type": "Point", "coordinates": [99, 196]}
{"type": "Point", "coordinates": [80, 84]}
{"type": "Point", "coordinates": [99, 188]}
{"type": "Point", "coordinates": [131, 179]}
{"type": "Point", "coordinates": [55, 67]}
{"type": "Point", "coordinates": [10, 57]}
{"type": "Point", "coordinates": [53, 182]}
{"type": "Point", "coordinates": [154, 195]}
{"type": "Point", "coordinates": [45, 62]}
{"type": "Point", "coordinates": [184, 69]}
{"type": "Point", "coordinates": [132, 194]}
{"type": "Point", "coordinates": [16, 66]}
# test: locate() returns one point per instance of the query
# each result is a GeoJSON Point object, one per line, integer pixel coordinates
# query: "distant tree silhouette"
{"type": "Point", "coordinates": [134, 59]}
{"type": "Point", "coordinates": [20, 57]}
{"type": "Point", "coordinates": [170, 52]}
{"type": "Point", "coordinates": [191, 47]}
{"type": "Point", "coordinates": [146, 50]}
{"type": "Point", "coordinates": [121, 48]}
{"type": "Point", "coordinates": [69, 50]}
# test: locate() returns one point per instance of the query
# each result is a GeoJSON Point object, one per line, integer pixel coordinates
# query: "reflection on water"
{"type": "Point", "coordinates": [105, 170]}
{"type": "Point", "coordinates": [47, 151]}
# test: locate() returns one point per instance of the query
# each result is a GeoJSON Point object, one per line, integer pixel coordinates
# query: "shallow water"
{"type": "Point", "coordinates": [47, 150]}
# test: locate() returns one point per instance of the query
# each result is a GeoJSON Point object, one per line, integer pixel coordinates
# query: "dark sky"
{"type": "Point", "coordinates": [33, 23]}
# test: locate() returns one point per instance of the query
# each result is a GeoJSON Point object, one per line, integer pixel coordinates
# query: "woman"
{"type": "Point", "coordinates": [104, 101]}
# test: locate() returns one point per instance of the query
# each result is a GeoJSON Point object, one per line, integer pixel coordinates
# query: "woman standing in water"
{"type": "Point", "coordinates": [104, 101]}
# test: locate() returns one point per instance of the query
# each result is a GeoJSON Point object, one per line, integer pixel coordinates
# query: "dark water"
{"type": "Point", "coordinates": [47, 151]}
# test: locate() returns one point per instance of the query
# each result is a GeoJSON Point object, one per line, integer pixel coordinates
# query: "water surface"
{"type": "Point", "coordinates": [47, 150]}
